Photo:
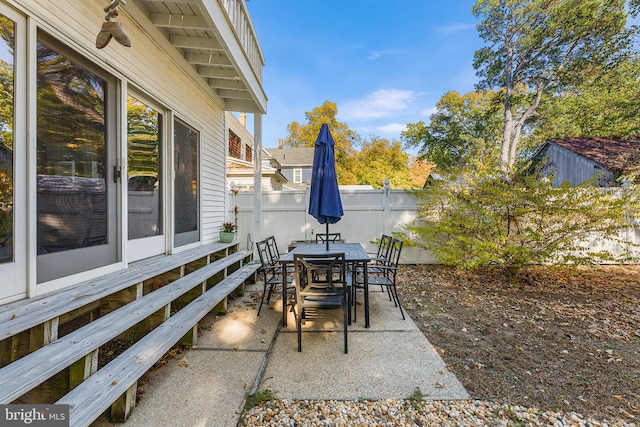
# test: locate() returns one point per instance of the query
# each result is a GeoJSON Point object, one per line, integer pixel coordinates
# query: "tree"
{"type": "Point", "coordinates": [542, 45]}
{"type": "Point", "coordinates": [463, 128]}
{"type": "Point", "coordinates": [492, 220]}
{"type": "Point", "coordinates": [380, 159]}
{"type": "Point", "coordinates": [606, 106]}
{"type": "Point", "coordinates": [420, 171]}
{"type": "Point", "coordinates": [344, 138]}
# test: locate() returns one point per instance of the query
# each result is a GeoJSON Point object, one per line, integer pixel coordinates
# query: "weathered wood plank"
{"type": "Point", "coordinates": [34, 368]}
{"type": "Point", "coordinates": [9, 350]}
{"type": "Point", "coordinates": [25, 314]}
{"type": "Point", "coordinates": [123, 406]}
{"type": "Point", "coordinates": [97, 393]}
{"type": "Point", "coordinates": [83, 369]}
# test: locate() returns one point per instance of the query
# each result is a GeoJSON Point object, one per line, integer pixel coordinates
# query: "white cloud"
{"type": "Point", "coordinates": [393, 128]}
{"type": "Point", "coordinates": [455, 28]}
{"type": "Point", "coordinates": [375, 54]}
{"type": "Point", "coordinates": [378, 104]}
{"type": "Point", "coordinates": [428, 112]}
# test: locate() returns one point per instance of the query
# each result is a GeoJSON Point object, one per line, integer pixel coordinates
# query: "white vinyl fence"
{"type": "Point", "coordinates": [367, 215]}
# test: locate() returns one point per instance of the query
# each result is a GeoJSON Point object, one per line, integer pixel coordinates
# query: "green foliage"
{"type": "Point", "coordinates": [258, 398]}
{"type": "Point", "coordinates": [606, 106]}
{"type": "Point", "coordinates": [541, 46]}
{"type": "Point", "coordinates": [463, 127]}
{"type": "Point", "coordinates": [515, 419]}
{"type": "Point", "coordinates": [416, 394]}
{"type": "Point", "coordinates": [492, 220]}
{"type": "Point", "coordinates": [380, 160]}
{"type": "Point", "coordinates": [305, 135]}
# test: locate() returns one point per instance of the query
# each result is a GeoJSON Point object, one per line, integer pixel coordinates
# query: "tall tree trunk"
{"type": "Point", "coordinates": [514, 145]}
{"type": "Point", "coordinates": [506, 138]}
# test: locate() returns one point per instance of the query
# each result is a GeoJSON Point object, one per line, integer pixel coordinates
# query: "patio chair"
{"type": "Point", "coordinates": [381, 257]}
{"type": "Point", "coordinates": [274, 252]}
{"type": "Point", "coordinates": [313, 295]}
{"type": "Point", "coordinates": [383, 275]}
{"type": "Point", "coordinates": [330, 237]}
{"type": "Point", "coordinates": [272, 273]}
{"type": "Point", "coordinates": [273, 247]}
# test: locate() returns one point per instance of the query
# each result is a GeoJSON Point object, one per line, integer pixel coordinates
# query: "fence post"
{"type": "Point", "coordinates": [386, 215]}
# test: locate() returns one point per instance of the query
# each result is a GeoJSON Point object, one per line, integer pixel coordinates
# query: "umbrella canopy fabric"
{"type": "Point", "coordinates": [325, 204]}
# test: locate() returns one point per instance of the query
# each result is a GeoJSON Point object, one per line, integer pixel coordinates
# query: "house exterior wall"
{"type": "Point", "coordinates": [572, 167]}
{"type": "Point", "coordinates": [288, 173]}
{"type": "Point", "coordinates": [149, 69]}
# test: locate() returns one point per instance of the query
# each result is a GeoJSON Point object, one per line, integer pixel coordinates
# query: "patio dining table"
{"type": "Point", "coordinates": [354, 254]}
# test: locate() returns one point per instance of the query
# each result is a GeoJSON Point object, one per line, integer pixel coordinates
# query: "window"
{"type": "Point", "coordinates": [186, 167]}
{"type": "Point", "coordinates": [235, 145]}
{"type": "Point", "coordinates": [71, 152]}
{"type": "Point", "coordinates": [144, 143]}
{"type": "Point", "coordinates": [297, 176]}
{"type": "Point", "coordinates": [76, 151]}
{"type": "Point", "coordinates": [7, 96]}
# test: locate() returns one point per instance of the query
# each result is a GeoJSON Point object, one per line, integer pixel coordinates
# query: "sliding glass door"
{"type": "Point", "coordinates": [77, 182]}
{"type": "Point", "coordinates": [145, 188]}
{"type": "Point", "coordinates": [186, 141]}
{"type": "Point", "coordinates": [13, 282]}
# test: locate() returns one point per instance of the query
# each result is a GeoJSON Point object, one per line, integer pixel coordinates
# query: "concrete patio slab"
{"type": "Point", "coordinates": [207, 385]}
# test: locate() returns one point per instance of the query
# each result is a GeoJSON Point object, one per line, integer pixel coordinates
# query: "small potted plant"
{"type": "Point", "coordinates": [227, 232]}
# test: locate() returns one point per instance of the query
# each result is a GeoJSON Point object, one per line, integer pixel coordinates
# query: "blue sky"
{"type": "Point", "coordinates": [384, 63]}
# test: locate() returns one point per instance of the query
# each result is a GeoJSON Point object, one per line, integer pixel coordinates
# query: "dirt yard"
{"type": "Point", "coordinates": [551, 339]}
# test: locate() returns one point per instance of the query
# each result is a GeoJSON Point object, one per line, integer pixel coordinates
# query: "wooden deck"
{"type": "Point", "coordinates": [50, 345]}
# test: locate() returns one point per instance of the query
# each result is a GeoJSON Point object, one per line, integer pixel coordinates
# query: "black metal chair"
{"type": "Point", "coordinates": [274, 252]}
{"type": "Point", "coordinates": [313, 294]}
{"type": "Point", "coordinates": [382, 255]}
{"type": "Point", "coordinates": [329, 237]}
{"type": "Point", "coordinates": [383, 275]}
{"type": "Point", "coordinates": [272, 273]}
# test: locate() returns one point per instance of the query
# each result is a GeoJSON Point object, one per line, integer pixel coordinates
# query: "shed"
{"type": "Point", "coordinates": [579, 159]}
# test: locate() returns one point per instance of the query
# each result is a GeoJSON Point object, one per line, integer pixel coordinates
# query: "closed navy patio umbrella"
{"type": "Point", "coordinates": [325, 204]}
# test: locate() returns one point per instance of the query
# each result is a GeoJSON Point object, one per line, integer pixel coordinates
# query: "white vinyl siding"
{"type": "Point", "coordinates": [150, 66]}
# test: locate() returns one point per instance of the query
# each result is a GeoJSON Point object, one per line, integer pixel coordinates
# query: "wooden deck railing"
{"type": "Point", "coordinates": [246, 34]}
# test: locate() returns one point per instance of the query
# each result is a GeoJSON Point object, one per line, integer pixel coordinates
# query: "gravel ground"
{"type": "Point", "coordinates": [300, 413]}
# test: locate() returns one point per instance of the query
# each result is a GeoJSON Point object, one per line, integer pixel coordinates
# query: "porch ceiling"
{"type": "Point", "coordinates": [216, 37]}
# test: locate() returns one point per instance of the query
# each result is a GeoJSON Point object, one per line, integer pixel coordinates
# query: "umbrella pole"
{"type": "Point", "coordinates": [327, 238]}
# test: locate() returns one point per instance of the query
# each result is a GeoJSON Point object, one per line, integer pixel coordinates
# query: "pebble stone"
{"type": "Point", "coordinates": [404, 413]}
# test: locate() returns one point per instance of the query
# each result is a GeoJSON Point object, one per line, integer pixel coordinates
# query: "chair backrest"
{"type": "Point", "coordinates": [310, 267]}
{"type": "Point", "coordinates": [384, 247]}
{"type": "Point", "coordinates": [263, 252]}
{"type": "Point", "coordinates": [274, 253]}
{"type": "Point", "coordinates": [394, 253]}
{"type": "Point", "coordinates": [328, 237]}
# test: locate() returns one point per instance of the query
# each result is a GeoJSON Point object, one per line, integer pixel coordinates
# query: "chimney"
{"type": "Point", "coordinates": [243, 119]}
{"type": "Point", "coordinates": [280, 144]}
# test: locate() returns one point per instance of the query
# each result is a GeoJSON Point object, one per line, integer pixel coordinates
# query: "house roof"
{"type": "Point", "coordinates": [292, 157]}
{"type": "Point", "coordinates": [618, 156]}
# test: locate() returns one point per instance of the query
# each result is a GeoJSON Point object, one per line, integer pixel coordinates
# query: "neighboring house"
{"type": "Point", "coordinates": [294, 163]}
{"type": "Point", "coordinates": [241, 159]}
{"type": "Point", "coordinates": [125, 146]}
{"type": "Point", "coordinates": [577, 160]}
